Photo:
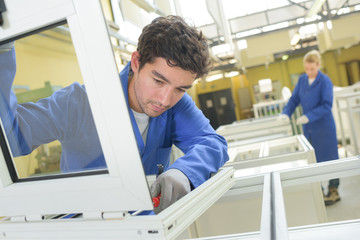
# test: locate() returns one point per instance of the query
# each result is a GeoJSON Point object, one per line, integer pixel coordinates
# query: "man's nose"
{"type": "Point", "coordinates": [165, 97]}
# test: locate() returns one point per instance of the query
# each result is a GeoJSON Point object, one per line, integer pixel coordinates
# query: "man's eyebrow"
{"type": "Point", "coordinates": [159, 75]}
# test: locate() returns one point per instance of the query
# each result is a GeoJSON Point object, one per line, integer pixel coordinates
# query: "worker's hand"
{"type": "Point", "coordinates": [302, 120]}
{"type": "Point", "coordinates": [6, 47]}
{"type": "Point", "coordinates": [172, 185]}
{"type": "Point", "coordinates": [283, 118]}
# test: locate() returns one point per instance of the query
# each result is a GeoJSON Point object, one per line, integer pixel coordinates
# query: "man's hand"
{"type": "Point", "coordinates": [302, 120]}
{"type": "Point", "coordinates": [6, 47]}
{"type": "Point", "coordinates": [172, 185]}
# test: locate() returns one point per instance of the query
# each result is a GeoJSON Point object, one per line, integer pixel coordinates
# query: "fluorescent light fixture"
{"type": "Point", "coordinates": [248, 33]}
{"type": "Point", "coordinates": [285, 57]}
{"type": "Point", "coordinates": [329, 24]}
{"type": "Point", "coordinates": [300, 20]}
{"type": "Point", "coordinates": [343, 11]}
{"type": "Point", "coordinates": [275, 26]}
{"type": "Point", "coordinates": [313, 18]}
{"type": "Point", "coordinates": [242, 44]}
{"type": "Point", "coordinates": [214, 77]}
{"type": "Point", "coordinates": [295, 39]}
{"type": "Point", "coordinates": [232, 74]}
{"type": "Point", "coordinates": [315, 8]}
{"type": "Point", "coordinates": [357, 7]}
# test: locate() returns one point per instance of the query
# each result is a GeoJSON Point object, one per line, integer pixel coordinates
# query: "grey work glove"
{"type": "Point", "coordinates": [173, 185]}
{"type": "Point", "coordinates": [6, 47]}
{"type": "Point", "coordinates": [302, 120]}
{"type": "Point", "coordinates": [283, 118]}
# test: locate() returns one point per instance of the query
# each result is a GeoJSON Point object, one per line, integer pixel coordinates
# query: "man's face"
{"type": "Point", "coordinates": [311, 69]}
{"type": "Point", "coordinates": [157, 86]}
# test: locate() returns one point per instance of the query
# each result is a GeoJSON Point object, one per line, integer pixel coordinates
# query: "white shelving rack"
{"type": "Point", "coordinates": [348, 107]}
{"type": "Point", "coordinates": [275, 107]}
{"type": "Point", "coordinates": [255, 129]}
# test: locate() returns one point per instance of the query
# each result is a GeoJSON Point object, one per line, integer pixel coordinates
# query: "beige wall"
{"type": "Point", "coordinates": [333, 64]}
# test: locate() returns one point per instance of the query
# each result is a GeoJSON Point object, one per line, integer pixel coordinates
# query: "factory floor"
{"type": "Point", "coordinates": [349, 206]}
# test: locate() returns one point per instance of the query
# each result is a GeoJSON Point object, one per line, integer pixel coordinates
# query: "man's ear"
{"type": "Point", "coordinates": [135, 63]}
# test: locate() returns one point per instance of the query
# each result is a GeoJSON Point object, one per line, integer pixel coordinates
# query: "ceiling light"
{"type": "Point", "coordinates": [295, 39]}
{"type": "Point", "coordinates": [231, 74]}
{"type": "Point", "coordinates": [248, 33]}
{"type": "Point", "coordinates": [285, 57]}
{"type": "Point", "coordinates": [214, 77]}
{"type": "Point", "coordinates": [275, 26]}
{"type": "Point", "coordinates": [329, 24]}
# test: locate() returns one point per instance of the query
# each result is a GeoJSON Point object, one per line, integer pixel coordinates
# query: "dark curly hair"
{"type": "Point", "coordinates": [180, 44]}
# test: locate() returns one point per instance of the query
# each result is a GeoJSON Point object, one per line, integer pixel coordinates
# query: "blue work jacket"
{"type": "Point", "coordinates": [66, 116]}
{"type": "Point", "coordinates": [316, 101]}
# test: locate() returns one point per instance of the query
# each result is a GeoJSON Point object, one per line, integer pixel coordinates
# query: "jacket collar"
{"type": "Point", "coordinates": [124, 78]}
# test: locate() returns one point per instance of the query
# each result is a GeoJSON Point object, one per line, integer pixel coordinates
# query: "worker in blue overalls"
{"type": "Point", "coordinates": [314, 91]}
{"type": "Point", "coordinates": [170, 55]}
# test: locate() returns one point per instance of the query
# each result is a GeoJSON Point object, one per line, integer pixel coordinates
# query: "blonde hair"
{"type": "Point", "coordinates": [313, 57]}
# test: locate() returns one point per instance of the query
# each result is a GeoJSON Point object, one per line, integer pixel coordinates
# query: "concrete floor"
{"type": "Point", "coordinates": [349, 206]}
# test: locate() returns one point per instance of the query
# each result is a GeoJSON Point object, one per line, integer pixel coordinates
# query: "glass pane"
{"type": "Point", "coordinates": [271, 155]}
{"type": "Point", "coordinates": [50, 129]}
{"type": "Point", "coordinates": [305, 203]}
{"type": "Point", "coordinates": [285, 146]}
{"type": "Point", "coordinates": [238, 211]}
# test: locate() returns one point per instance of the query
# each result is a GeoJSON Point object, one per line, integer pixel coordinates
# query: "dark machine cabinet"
{"type": "Point", "coordinates": [218, 107]}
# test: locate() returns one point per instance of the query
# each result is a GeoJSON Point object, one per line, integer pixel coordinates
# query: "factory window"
{"type": "Point", "coordinates": [50, 123]}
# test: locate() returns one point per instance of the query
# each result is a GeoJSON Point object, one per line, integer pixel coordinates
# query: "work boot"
{"type": "Point", "coordinates": [332, 196]}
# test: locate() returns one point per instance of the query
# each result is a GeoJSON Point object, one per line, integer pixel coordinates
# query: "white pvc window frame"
{"type": "Point", "coordinates": [124, 188]}
{"type": "Point", "coordinates": [169, 224]}
{"type": "Point", "coordinates": [254, 130]}
{"type": "Point", "coordinates": [350, 101]}
{"type": "Point", "coordinates": [305, 152]}
{"type": "Point", "coordinates": [273, 216]}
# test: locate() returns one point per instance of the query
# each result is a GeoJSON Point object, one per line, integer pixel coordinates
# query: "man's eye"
{"type": "Point", "coordinates": [181, 90]}
{"type": "Point", "coordinates": [158, 81]}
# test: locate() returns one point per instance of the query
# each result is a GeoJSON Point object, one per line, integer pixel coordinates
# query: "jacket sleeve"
{"type": "Point", "coordinates": [293, 101]}
{"type": "Point", "coordinates": [8, 102]}
{"type": "Point", "coordinates": [31, 124]}
{"type": "Point", "coordinates": [326, 100]}
{"type": "Point", "coordinates": [204, 150]}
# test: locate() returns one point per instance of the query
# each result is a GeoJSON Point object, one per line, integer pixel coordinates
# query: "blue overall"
{"type": "Point", "coordinates": [66, 116]}
{"type": "Point", "coordinates": [316, 101]}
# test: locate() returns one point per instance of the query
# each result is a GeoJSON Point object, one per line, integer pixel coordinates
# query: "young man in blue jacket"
{"type": "Point", "coordinates": [169, 57]}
